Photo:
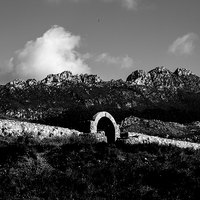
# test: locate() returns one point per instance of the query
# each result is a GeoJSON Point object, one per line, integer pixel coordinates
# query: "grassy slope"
{"type": "Point", "coordinates": [74, 168]}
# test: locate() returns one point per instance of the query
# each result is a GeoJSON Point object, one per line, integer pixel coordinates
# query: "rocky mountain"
{"type": "Point", "coordinates": [69, 100]}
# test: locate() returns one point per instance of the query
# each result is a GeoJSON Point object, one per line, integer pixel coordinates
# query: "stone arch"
{"type": "Point", "coordinates": [100, 115]}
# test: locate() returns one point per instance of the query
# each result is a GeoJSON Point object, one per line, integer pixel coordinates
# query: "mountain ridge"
{"type": "Point", "coordinates": [138, 77]}
{"type": "Point", "coordinates": [71, 100]}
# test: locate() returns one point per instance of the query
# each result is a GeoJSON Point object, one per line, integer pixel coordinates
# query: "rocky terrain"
{"type": "Point", "coordinates": [172, 130]}
{"type": "Point", "coordinates": [18, 128]}
{"type": "Point", "coordinates": [138, 138]}
{"type": "Point", "coordinates": [156, 103]}
{"type": "Point", "coordinates": [69, 100]}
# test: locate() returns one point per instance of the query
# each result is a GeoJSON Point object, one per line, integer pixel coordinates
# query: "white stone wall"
{"type": "Point", "coordinates": [139, 138]}
{"type": "Point", "coordinates": [17, 128]}
{"type": "Point", "coordinates": [97, 117]}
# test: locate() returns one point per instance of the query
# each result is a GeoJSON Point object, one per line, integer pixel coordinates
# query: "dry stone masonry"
{"type": "Point", "coordinates": [18, 128]}
{"type": "Point", "coordinates": [139, 138]}
{"type": "Point", "coordinates": [98, 117]}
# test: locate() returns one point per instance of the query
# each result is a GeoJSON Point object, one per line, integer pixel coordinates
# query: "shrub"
{"type": "Point", "coordinates": [80, 168]}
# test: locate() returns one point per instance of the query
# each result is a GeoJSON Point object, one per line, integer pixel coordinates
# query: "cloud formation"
{"type": "Point", "coordinates": [183, 45]}
{"type": "Point", "coordinates": [53, 1]}
{"type": "Point", "coordinates": [129, 4]}
{"type": "Point", "coordinates": [124, 62]}
{"type": "Point", "coordinates": [52, 53]}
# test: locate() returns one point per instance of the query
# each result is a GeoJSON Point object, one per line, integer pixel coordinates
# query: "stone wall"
{"type": "Point", "coordinates": [97, 117]}
{"type": "Point", "coordinates": [139, 138]}
{"type": "Point", "coordinates": [18, 128]}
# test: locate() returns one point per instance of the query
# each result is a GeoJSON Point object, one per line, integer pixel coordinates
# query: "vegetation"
{"type": "Point", "coordinates": [71, 104]}
{"type": "Point", "coordinates": [81, 168]}
{"type": "Point", "coordinates": [189, 132]}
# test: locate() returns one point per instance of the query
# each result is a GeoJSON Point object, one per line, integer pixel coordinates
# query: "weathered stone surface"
{"type": "Point", "coordinates": [58, 79]}
{"type": "Point", "coordinates": [31, 82]}
{"type": "Point", "coordinates": [173, 130]}
{"type": "Point", "coordinates": [138, 138]}
{"type": "Point", "coordinates": [101, 137]}
{"type": "Point", "coordinates": [17, 128]}
{"type": "Point", "coordinates": [95, 121]}
{"type": "Point", "coordinates": [17, 83]}
{"type": "Point", "coordinates": [183, 72]}
{"type": "Point", "coordinates": [160, 77]}
{"type": "Point", "coordinates": [53, 79]}
{"type": "Point", "coordinates": [140, 77]}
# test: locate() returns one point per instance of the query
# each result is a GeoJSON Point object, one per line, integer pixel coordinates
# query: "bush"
{"type": "Point", "coordinates": [80, 168]}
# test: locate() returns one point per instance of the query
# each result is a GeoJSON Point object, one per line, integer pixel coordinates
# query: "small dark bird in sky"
{"type": "Point", "coordinates": [98, 20]}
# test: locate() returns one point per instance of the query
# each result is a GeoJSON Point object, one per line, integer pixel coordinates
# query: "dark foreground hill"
{"type": "Point", "coordinates": [71, 100]}
{"type": "Point", "coordinates": [70, 168]}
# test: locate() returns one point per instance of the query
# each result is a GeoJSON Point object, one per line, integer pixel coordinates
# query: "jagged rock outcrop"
{"type": "Point", "coordinates": [164, 78]}
{"type": "Point", "coordinates": [17, 83]}
{"type": "Point", "coordinates": [140, 77]}
{"type": "Point", "coordinates": [183, 72]}
{"type": "Point", "coordinates": [31, 82]}
{"type": "Point", "coordinates": [21, 84]}
{"type": "Point", "coordinates": [57, 78]}
{"type": "Point", "coordinates": [161, 78]}
{"type": "Point", "coordinates": [67, 76]}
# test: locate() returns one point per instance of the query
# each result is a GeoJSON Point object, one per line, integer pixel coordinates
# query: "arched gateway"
{"type": "Point", "coordinates": [105, 121]}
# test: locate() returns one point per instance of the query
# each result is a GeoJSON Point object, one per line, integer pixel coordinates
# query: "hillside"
{"type": "Point", "coordinates": [71, 100]}
{"type": "Point", "coordinates": [172, 130]}
{"type": "Point", "coordinates": [156, 103]}
{"type": "Point", "coordinates": [70, 168]}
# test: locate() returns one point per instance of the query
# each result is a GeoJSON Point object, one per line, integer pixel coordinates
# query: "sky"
{"type": "Point", "coordinates": [110, 38]}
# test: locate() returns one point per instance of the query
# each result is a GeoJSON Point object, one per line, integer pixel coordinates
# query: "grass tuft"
{"type": "Point", "coordinates": [81, 168]}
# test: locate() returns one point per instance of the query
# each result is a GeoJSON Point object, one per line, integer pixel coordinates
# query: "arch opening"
{"type": "Point", "coordinates": [104, 121]}
{"type": "Point", "coordinates": [106, 125]}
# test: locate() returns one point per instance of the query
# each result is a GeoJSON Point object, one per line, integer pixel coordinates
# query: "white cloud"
{"type": "Point", "coordinates": [52, 53]}
{"type": "Point", "coordinates": [183, 45]}
{"type": "Point", "coordinates": [58, 1]}
{"type": "Point", "coordinates": [129, 4]}
{"type": "Point", "coordinates": [127, 62]}
{"type": "Point", "coordinates": [53, 1]}
{"type": "Point", "coordinates": [124, 62]}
